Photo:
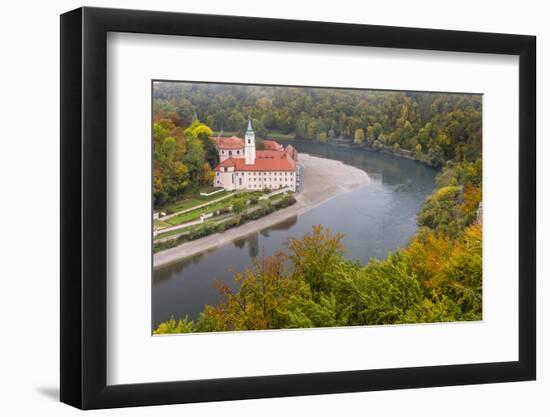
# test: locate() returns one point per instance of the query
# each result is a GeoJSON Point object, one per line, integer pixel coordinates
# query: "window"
{"type": "Point", "coordinates": [230, 153]}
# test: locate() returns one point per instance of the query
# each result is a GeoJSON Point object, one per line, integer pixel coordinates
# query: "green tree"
{"type": "Point", "coordinates": [359, 136]}
{"type": "Point", "coordinates": [200, 131]}
{"type": "Point", "coordinates": [171, 326]}
{"type": "Point", "coordinates": [313, 258]}
{"type": "Point", "coordinates": [239, 205]}
{"type": "Point", "coordinates": [441, 210]}
{"type": "Point", "coordinates": [261, 302]}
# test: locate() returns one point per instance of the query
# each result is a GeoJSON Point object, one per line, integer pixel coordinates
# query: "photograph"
{"type": "Point", "coordinates": [294, 207]}
{"type": "Point", "coordinates": [260, 209]}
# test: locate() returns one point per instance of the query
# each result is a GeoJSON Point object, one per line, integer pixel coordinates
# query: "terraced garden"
{"type": "Point", "coordinates": [221, 203]}
{"type": "Point", "coordinates": [192, 201]}
{"type": "Point", "coordinates": [219, 224]}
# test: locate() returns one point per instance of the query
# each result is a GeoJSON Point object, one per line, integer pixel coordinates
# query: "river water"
{"type": "Point", "coordinates": [375, 219]}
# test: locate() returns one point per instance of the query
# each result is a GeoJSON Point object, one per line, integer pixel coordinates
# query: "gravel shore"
{"type": "Point", "coordinates": [323, 180]}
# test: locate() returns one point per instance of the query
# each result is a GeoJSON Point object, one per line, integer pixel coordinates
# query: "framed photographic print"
{"type": "Point", "coordinates": [258, 208]}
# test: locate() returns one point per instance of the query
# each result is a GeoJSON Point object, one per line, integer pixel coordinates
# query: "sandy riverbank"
{"type": "Point", "coordinates": [323, 180]}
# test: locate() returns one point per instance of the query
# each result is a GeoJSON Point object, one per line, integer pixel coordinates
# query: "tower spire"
{"type": "Point", "coordinates": [250, 145]}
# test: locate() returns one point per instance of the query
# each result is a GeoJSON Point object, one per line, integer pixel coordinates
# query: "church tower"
{"type": "Point", "coordinates": [250, 145]}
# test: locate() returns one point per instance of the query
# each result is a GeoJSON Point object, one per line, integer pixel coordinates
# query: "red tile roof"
{"type": "Point", "coordinates": [272, 145]}
{"type": "Point", "coordinates": [270, 154]}
{"type": "Point", "coordinates": [265, 161]}
{"type": "Point", "coordinates": [232, 142]}
{"type": "Point", "coordinates": [266, 164]}
{"type": "Point", "coordinates": [229, 162]}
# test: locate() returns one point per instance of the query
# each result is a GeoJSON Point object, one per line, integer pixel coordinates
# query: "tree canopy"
{"type": "Point", "coordinates": [183, 158]}
{"type": "Point", "coordinates": [433, 127]}
{"type": "Point", "coordinates": [434, 279]}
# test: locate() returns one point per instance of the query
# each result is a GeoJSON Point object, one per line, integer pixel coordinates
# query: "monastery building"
{"type": "Point", "coordinates": [242, 167]}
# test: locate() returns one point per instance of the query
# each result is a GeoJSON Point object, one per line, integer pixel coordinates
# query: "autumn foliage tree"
{"type": "Point", "coordinates": [313, 258]}
{"type": "Point", "coordinates": [262, 301]}
{"type": "Point", "coordinates": [435, 278]}
{"type": "Point", "coordinates": [183, 158]}
{"type": "Point", "coordinates": [446, 126]}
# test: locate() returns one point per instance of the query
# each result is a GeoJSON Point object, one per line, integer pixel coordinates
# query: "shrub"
{"type": "Point", "coordinates": [210, 228]}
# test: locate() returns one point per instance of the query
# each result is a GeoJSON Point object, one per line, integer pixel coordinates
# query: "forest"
{"type": "Point", "coordinates": [431, 127]}
{"type": "Point", "coordinates": [436, 277]}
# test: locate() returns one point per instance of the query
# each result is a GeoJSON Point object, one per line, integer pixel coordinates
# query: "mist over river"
{"type": "Point", "coordinates": [375, 219]}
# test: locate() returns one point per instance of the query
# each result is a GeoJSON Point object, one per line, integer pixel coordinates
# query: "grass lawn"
{"type": "Point", "coordinates": [176, 232]}
{"type": "Point", "coordinates": [160, 224]}
{"type": "Point", "coordinates": [185, 217]}
{"type": "Point", "coordinates": [195, 214]}
{"type": "Point", "coordinates": [208, 190]}
{"type": "Point", "coordinates": [192, 201]}
{"type": "Point", "coordinates": [217, 219]}
{"type": "Point", "coordinates": [281, 195]}
{"type": "Point", "coordinates": [171, 233]}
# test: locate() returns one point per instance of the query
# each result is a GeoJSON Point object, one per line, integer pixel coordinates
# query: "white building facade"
{"type": "Point", "coordinates": [242, 167]}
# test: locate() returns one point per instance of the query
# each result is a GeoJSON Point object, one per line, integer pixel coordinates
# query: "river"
{"type": "Point", "coordinates": [375, 219]}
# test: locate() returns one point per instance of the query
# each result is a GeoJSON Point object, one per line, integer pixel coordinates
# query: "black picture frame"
{"type": "Point", "coordinates": [84, 207]}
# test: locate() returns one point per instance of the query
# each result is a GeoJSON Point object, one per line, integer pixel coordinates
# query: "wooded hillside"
{"type": "Point", "coordinates": [434, 127]}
